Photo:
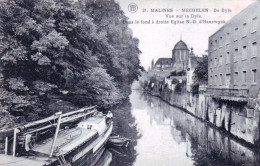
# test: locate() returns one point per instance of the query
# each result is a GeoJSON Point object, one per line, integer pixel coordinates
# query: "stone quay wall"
{"type": "Point", "coordinates": [239, 119]}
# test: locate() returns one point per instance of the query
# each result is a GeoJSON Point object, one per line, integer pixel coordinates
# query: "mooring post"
{"type": "Point", "coordinates": [6, 145]}
{"type": "Point", "coordinates": [14, 141]}
{"type": "Point", "coordinates": [56, 133]}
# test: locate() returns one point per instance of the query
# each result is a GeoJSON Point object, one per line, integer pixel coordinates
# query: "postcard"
{"type": "Point", "coordinates": [129, 82]}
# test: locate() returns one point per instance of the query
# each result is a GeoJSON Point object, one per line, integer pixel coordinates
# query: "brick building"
{"type": "Point", "coordinates": [234, 57]}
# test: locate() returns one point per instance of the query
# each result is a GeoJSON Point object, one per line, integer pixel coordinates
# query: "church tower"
{"type": "Point", "coordinates": [180, 55]}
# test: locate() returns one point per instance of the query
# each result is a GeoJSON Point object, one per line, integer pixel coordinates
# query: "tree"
{"type": "Point", "coordinates": [54, 45]}
{"type": "Point", "coordinates": [121, 61]}
{"type": "Point", "coordinates": [201, 71]}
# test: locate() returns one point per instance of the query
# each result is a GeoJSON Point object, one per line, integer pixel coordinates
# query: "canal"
{"type": "Point", "coordinates": [164, 136]}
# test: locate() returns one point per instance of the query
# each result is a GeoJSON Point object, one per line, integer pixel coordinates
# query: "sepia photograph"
{"type": "Point", "coordinates": [129, 83]}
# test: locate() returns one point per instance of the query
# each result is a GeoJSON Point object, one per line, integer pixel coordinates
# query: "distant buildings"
{"type": "Point", "coordinates": [182, 61]}
{"type": "Point", "coordinates": [234, 57]}
{"type": "Point", "coordinates": [180, 55]}
{"type": "Point", "coordinates": [177, 62]}
{"type": "Point", "coordinates": [164, 64]}
{"type": "Point", "coordinates": [192, 63]}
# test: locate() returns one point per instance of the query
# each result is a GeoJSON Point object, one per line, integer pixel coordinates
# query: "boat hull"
{"type": "Point", "coordinates": [89, 156]}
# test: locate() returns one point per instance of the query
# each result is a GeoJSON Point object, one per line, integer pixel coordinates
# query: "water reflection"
{"type": "Point", "coordinates": [172, 137]}
{"type": "Point", "coordinates": [105, 159]}
{"type": "Point", "coordinates": [124, 125]}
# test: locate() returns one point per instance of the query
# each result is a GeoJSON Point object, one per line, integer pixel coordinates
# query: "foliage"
{"type": "Point", "coordinates": [153, 79]}
{"type": "Point", "coordinates": [49, 46]}
{"type": "Point", "coordinates": [179, 73]}
{"type": "Point", "coordinates": [175, 81]}
{"type": "Point", "coordinates": [179, 88]}
{"type": "Point", "coordinates": [195, 88]}
{"type": "Point", "coordinates": [201, 70]}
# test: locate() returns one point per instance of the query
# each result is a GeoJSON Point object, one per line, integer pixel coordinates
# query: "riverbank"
{"type": "Point", "coordinates": [220, 129]}
{"type": "Point", "coordinates": [171, 136]}
{"type": "Point", "coordinates": [238, 120]}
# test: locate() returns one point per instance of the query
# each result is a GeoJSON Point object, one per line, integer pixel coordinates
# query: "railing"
{"type": "Point", "coordinates": [203, 88]}
{"type": "Point", "coordinates": [53, 121]}
{"type": "Point", "coordinates": [243, 93]}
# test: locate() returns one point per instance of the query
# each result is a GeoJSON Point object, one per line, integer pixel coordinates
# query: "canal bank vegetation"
{"type": "Point", "coordinates": [57, 55]}
{"type": "Point", "coordinates": [200, 76]}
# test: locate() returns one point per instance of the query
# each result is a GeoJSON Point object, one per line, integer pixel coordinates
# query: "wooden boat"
{"type": "Point", "coordinates": [118, 140]}
{"type": "Point", "coordinates": [79, 139]}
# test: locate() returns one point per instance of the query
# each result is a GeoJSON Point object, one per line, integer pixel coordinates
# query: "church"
{"type": "Point", "coordinates": [178, 61]}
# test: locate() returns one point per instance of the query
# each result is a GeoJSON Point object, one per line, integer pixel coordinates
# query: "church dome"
{"type": "Point", "coordinates": [180, 46]}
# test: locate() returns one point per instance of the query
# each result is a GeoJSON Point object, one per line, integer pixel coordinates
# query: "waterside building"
{"type": "Point", "coordinates": [234, 57]}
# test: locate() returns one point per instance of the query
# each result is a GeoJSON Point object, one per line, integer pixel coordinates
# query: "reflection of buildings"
{"type": "Point", "coordinates": [234, 56]}
{"type": "Point", "coordinates": [155, 113]}
{"type": "Point", "coordinates": [205, 145]}
{"type": "Point", "coordinates": [177, 134]}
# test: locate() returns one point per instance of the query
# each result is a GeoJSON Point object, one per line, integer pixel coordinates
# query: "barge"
{"type": "Point", "coordinates": [74, 138]}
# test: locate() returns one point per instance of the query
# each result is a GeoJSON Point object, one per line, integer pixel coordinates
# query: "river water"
{"type": "Point", "coordinates": [167, 136]}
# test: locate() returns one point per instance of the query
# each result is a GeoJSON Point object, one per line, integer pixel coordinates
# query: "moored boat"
{"type": "Point", "coordinates": [78, 139]}
{"type": "Point", "coordinates": [118, 140]}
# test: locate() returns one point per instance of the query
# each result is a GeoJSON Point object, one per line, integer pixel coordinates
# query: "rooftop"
{"type": "Point", "coordinates": [164, 61]}
{"type": "Point", "coordinates": [181, 45]}
{"type": "Point", "coordinates": [252, 7]}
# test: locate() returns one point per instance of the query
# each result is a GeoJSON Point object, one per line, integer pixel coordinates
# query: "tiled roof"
{"type": "Point", "coordinates": [181, 46]}
{"type": "Point", "coordinates": [164, 61]}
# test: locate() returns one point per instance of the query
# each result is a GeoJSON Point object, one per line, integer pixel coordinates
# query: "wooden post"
{"type": "Point", "coordinates": [6, 145]}
{"type": "Point", "coordinates": [56, 133]}
{"type": "Point", "coordinates": [14, 141]}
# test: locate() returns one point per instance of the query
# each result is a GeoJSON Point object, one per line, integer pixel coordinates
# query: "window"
{"type": "Point", "coordinates": [254, 25]}
{"type": "Point", "coordinates": [244, 30]}
{"type": "Point", "coordinates": [253, 76]}
{"type": "Point", "coordinates": [227, 58]}
{"type": "Point", "coordinates": [254, 49]}
{"type": "Point", "coordinates": [211, 80]}
{"type": "Point", "coordinates": [216, 62]}
{"type": "Point", "coordinates": [227, 38]}
{"type": "Point", "coordinates": [216, 79]}
{"type": "Point", "coordinates": [222, 80]}
{"type": "Point", "coordinates": [236, 35]}
{"type": "Point", "coordinates": [220, 60]}
{"type": "Point", "coordinates": [244, 76]}
{"type": "Point", "coordinates": [220, 77]}
{"type": "Point", "coordinates": [236, 55]}
{"type": "Point", "coordinates": [228, 79]}
{"type": "Point", "coordinates": [220, 42]}
{"type": "Point", "coordinates": [244, 52]}
{"type": "Point", "coordinates": [236, 78]}
{"type": "Point", "coordinates": [216, 43]}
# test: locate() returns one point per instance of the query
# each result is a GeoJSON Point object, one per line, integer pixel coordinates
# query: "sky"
{"type": "Point", "coordinates": [157, 40]}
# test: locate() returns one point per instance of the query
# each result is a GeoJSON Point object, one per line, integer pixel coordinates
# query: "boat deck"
{"type": "Point", "coordinates": [87, 132]}
{"type": "Point", "coordinates": [66, 141]}
{"type": "Point", "coordinates": [8, 160]}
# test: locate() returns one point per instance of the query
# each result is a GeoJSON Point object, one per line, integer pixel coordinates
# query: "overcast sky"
{"type": "Point", "coordinates": [157, 41]}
